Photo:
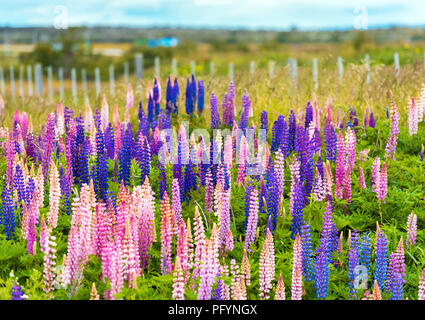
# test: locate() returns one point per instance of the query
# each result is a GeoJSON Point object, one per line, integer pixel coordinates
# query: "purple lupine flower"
{"type": "Point", "coordinates": [243, 121]}
{"type": "Point", "coordinates": [17, 292]}
{"type": "Point", "coordinates": [251, 226]}
{"type": "Point", "coordinates": [297, 209]}
{"type": "Point", "coordinates": [365, 252]}
{"type": "Point", "coordinates": [201, 90]}
{"type": "Point", "coordinates": [215, 116]}
{"type": "Point", "coordinates": [330, 142]}
{"type": "Point", "coordinates": [49, 139]}
{"type": "Point", "coordinates": [321, 282]}
{"type": "Point", "coordinates": [381, 259]}
{"type": "Point", "coordinates": [308, 115]}
{"type": "Point", "coordinates": [353, 261]}
{"type": "Point", "coordinates": [292, 129]}
{"type": "Point", "coordinates": [307, 252]}
{"type": "Point", "coordinates": [265, 121]}
{"type": "Point", "coordinates": [411, 229]}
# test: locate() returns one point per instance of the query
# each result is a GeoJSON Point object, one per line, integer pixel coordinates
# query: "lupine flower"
{"type": "Point", "coordinates": [49, 262]}
{"type": "Point", "coordinates": [307, 253]}
{"type": "Point", "coordinates": [280, 172]}
{"type": "Point", "coordinates": [421, 286]}
{"type": "Point", "coordinates": [353, 261]}
{"type": "Point", "coordinates": [280, 289]}
{"type": "Point", "coordinates": [382, 187]}
{"type": "Point", "coordinates": [199, 242]}
{"type": "Point", "coordinates": [413, 118]}
{"type": "Point", "coordinates": [381, 259]}
{"type": "Point", "coordinates": [322, 271]}
{"type": "Point", "coordinates": [297, 270]}
{"type": "Point", "coordinates": [17, 293]}
{"type": "Point", "coordinates": [8, 213]}
{"type": "Point", "coordinates": [330, 142]}
{"type": "Point", "coordinates": [267, 266]}
{"type": "Point", "coordinates": [246, 269]}
{"type": "Point", "coordinates": [178, 281]}
{"type": "Point", "coordinates": [376, 171]}
{"type": "Point", "coordinates": [166, 235]}
{"type": "Point", "coordinates": [48, 144]}
{"type": "Point", "coordinates": [394, 131]}
{"type": "Point", "coordinates": [361, 178]}
{"type": "Point", "coordinates": [365, 252]}
{"type": "Point", "coordinates": [297, 209]}
{"type": "Point", "coordinates": [252, 220]}
{"type": "Point", "coordinates": [411, 230]}
{"type": "Point", "coordinates": [340, 171]}
{"type": "Point", "coordinates": [215, 116]}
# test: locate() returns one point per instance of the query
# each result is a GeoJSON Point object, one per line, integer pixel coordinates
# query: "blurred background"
{"type": "Point", "coordinates": [61, 48]}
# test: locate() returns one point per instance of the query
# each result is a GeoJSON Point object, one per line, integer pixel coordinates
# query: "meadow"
{"type": "Point", "coordinates": [91, 210]}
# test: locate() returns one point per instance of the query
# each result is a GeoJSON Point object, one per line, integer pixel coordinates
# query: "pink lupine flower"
{"type": "Point", "coordinates": [10, 156]}
{"type": "Point", "coordinates": [242, 162]}
{"type": "Point", "coordinates": [382, 188]}
{"type": "Point", "coordinates": [347, 184]}
{"type": "Point", "coordinates": [340, 171]}
{"type": "Point", "coordinates": [361, 178]}
{"type": "Point", "coordinates": [31, 223]}
{"type": "Point", "coordinates": [104, 114]}
{"type": "Point", "coordinates": [280, 289]}
{"type": "Point", "coordinates": [394, 131]}
{"type": "Point", "coordinates": [376, 167]}
{"type": "Point", "coordinates": [411, 230]}
{"type": "Point", "coordinates": [209, 265]}
{"type": "Point", "coordinates": [413, 118]}
{"type": "Point", "coordinates": [209, 189]}
{"type": "Point", "coordinates": [350, 148]}
{"type": "Point", "coordinates": [297, 270]}
{"type": "Point", "coordinates": [166, 235]}
{"type": "Point", "coordinates": [182, 250]}
{"type": "Point", "coordinates": [229, 241]}
{"type": "Point", "coordinates": [177, 208]}
{"type": "Point", "coordinates": [318, 190]}
{"type": "Point", "coordinates": [251, 226]}
{"type": "Point", "coordinates": [178, 281]}
{"type": "Point", "coordinates": [328, 180]}
{"type": "Point", "coordinates": [280, 171]}
{"type": "Point", "coordinates": [246, 269]}
{"type": "Point", "coordinates": [54, 197]}
{"type": "Point", "coordinates": [267, 266]}
{"type": "Point", "coordinates": [130, 98]}
{"type": "Point", "coordinates": [43, 234]}
{"type": "Point", "coordinates": [130, 261]}
{"type": "Point", "coordinates": [199, 242]}
{"type": "Point", "coordinates": [421, 287]}
{"type": "Point", "coordinates": [49, 262]}
{"type": "Point", "coordinates": [400, 265]}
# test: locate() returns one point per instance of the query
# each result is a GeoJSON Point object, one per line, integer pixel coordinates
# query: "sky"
{"type": "Point", "coordinates": [246, 14]}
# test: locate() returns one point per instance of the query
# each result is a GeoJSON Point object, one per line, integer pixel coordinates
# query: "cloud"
{"type": "Point", "coordinates": [306, 14]}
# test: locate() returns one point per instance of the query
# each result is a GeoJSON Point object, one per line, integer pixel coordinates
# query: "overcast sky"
{"type": "Point", "coordinates": [250, 14]}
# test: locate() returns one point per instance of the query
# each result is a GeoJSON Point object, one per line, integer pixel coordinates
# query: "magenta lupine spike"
{"type": "Point", "coordinates": [280, 171]}
{"type": "Point", "coordinates": [130, 98]}
{"type": "Point", "coordinates": [209, 189]}
{"type": "Point", "coordinates": [347, 184]}
{"type": "Point", "coordinates": [176, 199]}
{"type": "Point", "coordinates": [183, 145]}
{"type": "Point", "coordinates": [49, 262]}
{"type": "Point", "coordinates": [178, 281]}
{"type": "Point", "coordinates": [421, 286]}
{"type": "Point", "coordinates": [318, 190]}
{"type": "Point", "coordinates": [411, 230]}
{"type": "Point", "coordinates": [267, 266]}
{"type": "Point", "coordinates": [413, 118]}
{"type": "Point", "coordinates": [98, 226]}
{"type": "Point", "coordinates": [166, 235]}
{"type": "Point", "coordinates": [297, 270]}
{"type": "Point", "coordinates": [361, 178]}
{"type": "Point", "coordinates": [251, 226]}
{"type": "Point", "coordinates": [242, 162]}
{"type": "Point", "coordinates": [394, 131]}
{"type": "Point", "coordinates": [376, 171]}
{"type": "Point", "coordinates": [340, 171]}
{"type": "Point", "coordinates": [48, 144]}
{"type": "Point", "coordinates": [54, 197]}
{"type": "Point", "coordinates": [382, 188]}
{"type": "Point", "coordinates": [68, 157]}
